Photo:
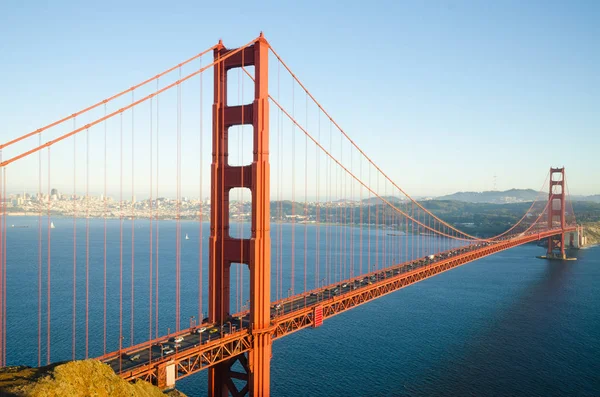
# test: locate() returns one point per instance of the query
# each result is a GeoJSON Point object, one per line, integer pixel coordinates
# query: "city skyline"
{"type": "Point", "coordinates": [56, 194]}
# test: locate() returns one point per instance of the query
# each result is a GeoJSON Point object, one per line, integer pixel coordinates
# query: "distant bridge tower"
{"type": "Point", "coordinates": [254, 252]}
{"type": "Point", "coordinates": [556, 212]}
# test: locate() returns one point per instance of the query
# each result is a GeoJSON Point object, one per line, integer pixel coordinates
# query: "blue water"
{"type": "Point", "coordinates": [505, 325]}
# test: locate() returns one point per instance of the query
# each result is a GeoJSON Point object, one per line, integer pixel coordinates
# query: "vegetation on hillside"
{"type": "Point", "coordinates": [74, 378]}
{"type": "Point", "coordinates": [512, 195]}
{"type": "Point", "coordinates": [481, 219]}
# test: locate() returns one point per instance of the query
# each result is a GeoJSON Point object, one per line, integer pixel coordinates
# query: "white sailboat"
{"type": "Point", "coordinates": [187, 237]}
{"type": "Point", "coordinates": [52, 225]}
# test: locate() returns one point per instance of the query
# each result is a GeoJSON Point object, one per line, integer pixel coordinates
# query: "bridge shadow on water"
{"type": "Point", "coordinates": [518, 352]}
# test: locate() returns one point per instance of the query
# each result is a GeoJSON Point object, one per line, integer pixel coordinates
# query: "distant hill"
{"type": "Point", "coordinates": [376, 200]}
{"type": "Point", "coordinates": [494, 197]}
{"type": "Point", "coordinates": [507, 196]}
{"type": "Point", "coordinates": [595, 198]}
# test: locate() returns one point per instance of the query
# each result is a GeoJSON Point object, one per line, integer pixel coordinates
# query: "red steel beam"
{"type": "Point", "coordinates": [255, 252]}
{"type": "Point", "coordinates": [231, 346]}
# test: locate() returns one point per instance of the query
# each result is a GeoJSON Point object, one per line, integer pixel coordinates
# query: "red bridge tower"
{"type": "Point", "coordinates": [556, 212]}
{"type": "Point", "coordinates": [254, 252]}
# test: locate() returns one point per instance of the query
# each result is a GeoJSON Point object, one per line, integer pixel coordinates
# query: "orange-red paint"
{"type": "Point", "coordinates": [556, 209]}
{"type": "Point", "coordinates": [225, 250]}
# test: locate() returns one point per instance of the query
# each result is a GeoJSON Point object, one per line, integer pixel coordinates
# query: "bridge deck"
{"type": "Point", "coordinates": [201, 350]}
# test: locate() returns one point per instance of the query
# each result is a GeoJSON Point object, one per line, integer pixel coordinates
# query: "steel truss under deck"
{"type": "Point", "coordinates": [226, 350]}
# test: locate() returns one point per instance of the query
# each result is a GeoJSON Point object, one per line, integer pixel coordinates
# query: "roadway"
{"type": "Point", "coordinates": [163, 348]}
{"type": "Point", "coordinates": [205, 336]}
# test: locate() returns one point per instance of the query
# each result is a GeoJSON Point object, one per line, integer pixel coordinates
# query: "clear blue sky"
{"type": "Point", "coordinates": [444, 94]}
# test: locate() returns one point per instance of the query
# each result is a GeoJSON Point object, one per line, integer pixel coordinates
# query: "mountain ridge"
{"type": "Point", "coordinates": [508, 196]}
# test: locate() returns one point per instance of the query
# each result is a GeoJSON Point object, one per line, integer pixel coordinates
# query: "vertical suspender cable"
{"type": "Point", "coordinates": [239, 225]}
{"type": "Point", "coordinates": [87, 241]}
{"type": "Point", "coordinates": [339, 228]}
{"type": "Point", "coordinates": [74, 315]}
{"type": "Point", "coordinates": [344, 229]}
{"type": "Point", "coordinates": [330, 230]}
{"type": "Point", "coordinates": [281, 133]}
{"type": "Point", "coordinates": [318, 206]}
{"type": "Point", "coordinates": [351, 217]}
{"type": "Point", "coordinates": [157, 203]}
{"type": "Point", "coordinates": [369, 233]}
{"type": "Point", "coordinates": [239, 271]}
{"type": "Point", "coordinates": [341, 219]}
{"type": "Point", "coordinates": [241, 267]}
{"type": "Point", "coordinates": [150, 238]}
{"type": "Point", "coordinates": [200, 238]}
{"type": "Point", "coordinates": [377, 227]}
{"type": "Point", "coordinates": [178, 204]}
{"type": "Point", "coordinates": [337, 238]}
{"type": "Point", "coordinates": [405, 259]}
{"type": "Point", "coordinates": [279, 204]}
{"type": "Point", "coordinates": [360, 241]}
{"type": "Point", "coordinates": [305, 199]}
{"type": "Point", "coordinates": [383, 225]}
{"type": "Point", "coordinates": [412, 222]}
{"type": "Point", "coordinates": [132, 215]}
{"type": "Point", "coordinates": [121, 242]}
{"type": "Point", "coordinates": [105, 213]}
{"type": "Point", "coordinates": [397, 248]}
{"type": "Point", "coordinates": [293, 253]}
{"type": "Point", "coordinates": [4, 278]}
{"type": "Point", "coordinates": [281, 177]}
{"type": "Point", "coordinates": [39, 199]}
{"type": "Point", "coordinates": [429, 236]}
{"type": "Point", "coordinates": [48, 263]}
{"type": "Point", "coordinates": [419, 236]}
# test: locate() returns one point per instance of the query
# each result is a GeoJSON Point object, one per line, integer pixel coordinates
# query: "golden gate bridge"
{"type": "Point", "coordinates": [273, 144]}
